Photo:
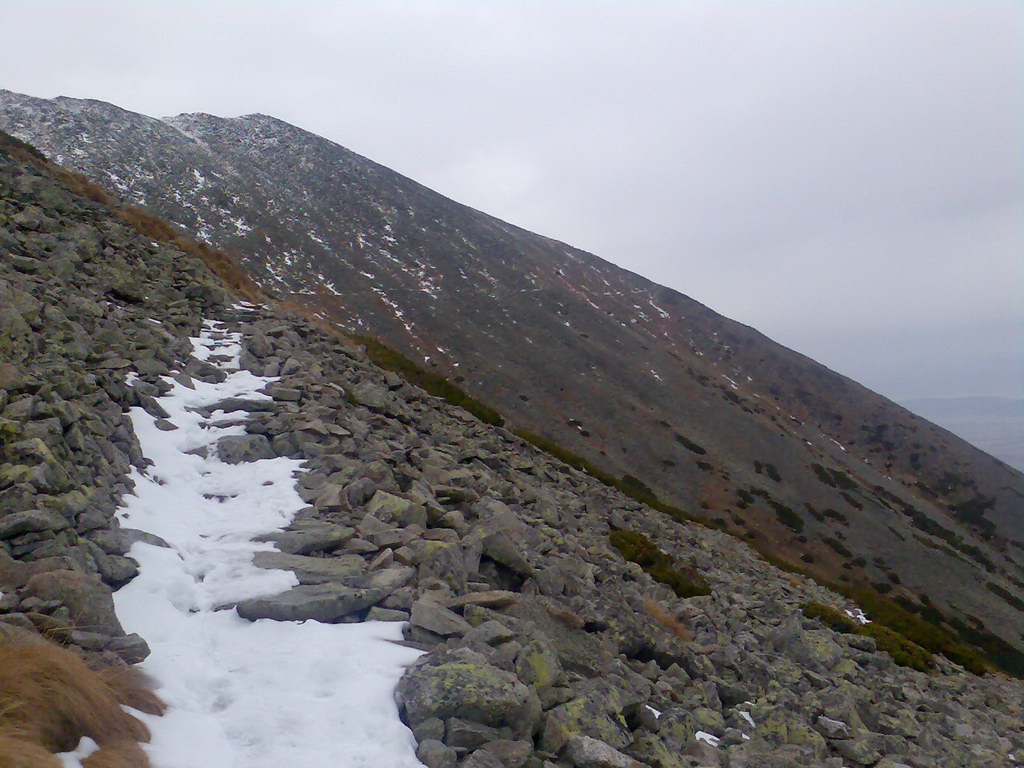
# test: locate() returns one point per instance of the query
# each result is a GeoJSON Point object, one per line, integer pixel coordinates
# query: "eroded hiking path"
{"type": "Point", "coordinates": [260, 693]}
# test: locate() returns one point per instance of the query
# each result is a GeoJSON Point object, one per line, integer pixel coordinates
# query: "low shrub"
{"type": "Point", "coordinates": [836, 478]}
{"type": "Point", "coordinates": [838, 546]}
{"type": "Point", "coordinates": [689, 445]}
{"type": "Point", "coordinates": [903, 651]}
{"type": "Point", "coordinates": [437, 385]}
{"type": "Point", "coordinates": [1006, 595]}
{"type": "Point", "coordinates": [637, 548]}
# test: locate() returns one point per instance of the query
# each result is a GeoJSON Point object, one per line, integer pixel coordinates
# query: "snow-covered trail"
{"type": "Point", "coordinates": [243, 694]}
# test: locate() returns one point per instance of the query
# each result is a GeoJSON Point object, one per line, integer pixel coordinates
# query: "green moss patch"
{"type": "Point", "coordinates": [637, 548]}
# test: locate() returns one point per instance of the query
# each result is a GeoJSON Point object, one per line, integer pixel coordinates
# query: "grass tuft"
{"type": "Point", "coordinates": [667, 620]}
{"type": "Point", "coordinates": [637, 548]}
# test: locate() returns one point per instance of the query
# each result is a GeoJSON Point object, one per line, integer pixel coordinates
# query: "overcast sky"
{"type": "Point", "coordinates": [847, 177]}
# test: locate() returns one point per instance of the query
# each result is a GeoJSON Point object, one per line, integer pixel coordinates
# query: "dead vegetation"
{"type": "Point", "coordinates": [50, 699]}
{"type": "Point", "coordinates": [220, 263]}
{"type": "Point", "coordinates": [667, 620]}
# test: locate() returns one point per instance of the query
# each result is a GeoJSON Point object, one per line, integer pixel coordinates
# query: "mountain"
{"type": "Point", "coordinates": [994, 424]}
{"type": "Point", "coordinates": [242, 504]}
{"type": "Point", "coordinates": [657, 394]}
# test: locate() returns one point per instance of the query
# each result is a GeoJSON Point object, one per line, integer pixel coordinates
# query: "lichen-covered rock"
{"type": "Point", "coordinates": [235, 449]}
{"type": "Point", "coordinates": [89, 601]}
{"type": "Point", "coordinates": [585, 752]}
{"type": "Point", "coordinates": [472, 691]}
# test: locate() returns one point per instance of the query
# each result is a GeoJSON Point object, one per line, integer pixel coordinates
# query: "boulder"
{"type": "Point", "coordinates": [397, 510]}
{"type": "Point", "coordinates": [30, 521]}
{"type": "Point", "coordinates": [235, 449]}
{"type": "Point", "coordinates": [585, 752]}
{"type": "Point", "coordinates": [88, 600]}
{"type": "Point", "coordinates": [472, 691]}
{"type": "Point", "coordinates": [433, 617]}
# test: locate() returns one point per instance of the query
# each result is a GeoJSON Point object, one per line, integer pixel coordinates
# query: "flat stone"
{"type": "Point", "coordinates": [494, 598]}
{"type": "Point", "coordinates": [320, 602]}
{"type": "Point", "coordinates": [386, 614]}
{"type": "Point", "coordinates": [235, 449]}
{"type": "Point", "coordinates": [231, 404]}
{"type": "Point", "coordinates": [307, 538]}
{"type": "Point", "coordinates": [344, 569]}
{"type": "Point", "coordinates": [435, 618]}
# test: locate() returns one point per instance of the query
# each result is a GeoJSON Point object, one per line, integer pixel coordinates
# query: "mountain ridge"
{"type": "Point", "coordinates": [639, 379]}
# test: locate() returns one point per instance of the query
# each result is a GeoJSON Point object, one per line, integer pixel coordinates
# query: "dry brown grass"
{"type": "Point", "coordinates": [218, 262]}
{"type": "Point", "coordinates": [125, 754]}
{"type": "Point", "coordinates": [19, 752]}
{"type": "Point", "coordinates": [50, 699]}
{"type": "Point", "coordinates": [564, 615]}
{"type": "Point", "coordinates": [667, 620]}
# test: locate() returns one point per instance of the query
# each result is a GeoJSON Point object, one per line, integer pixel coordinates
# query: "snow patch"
{"type": "Point", "coordinates": [243, 694]}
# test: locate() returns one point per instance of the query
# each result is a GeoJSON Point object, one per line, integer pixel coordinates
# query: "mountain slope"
{"type": "Point", "coordinates": [994, 424]}
{"type": "Point", "coordinates": [637, 378]}
{"type": "Point", "coordinates": [559, 621]}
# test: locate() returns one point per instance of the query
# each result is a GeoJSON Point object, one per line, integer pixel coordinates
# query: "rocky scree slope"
{"type": "Point", "coordinates": [638, 379]}
{"type": "Point", "coordinates": [545, 647]}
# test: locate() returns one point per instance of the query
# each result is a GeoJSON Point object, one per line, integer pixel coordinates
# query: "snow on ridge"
{"type": "Point", "coordinates": [242, 694]}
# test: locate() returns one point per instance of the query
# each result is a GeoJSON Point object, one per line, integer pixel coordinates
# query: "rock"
{"type": "Point", "coordinates": [510, 754]}
{"type": "Point", "coordinates": [30, 521]}
{"type": "Point", "coordinates": [584, 716]}
{"type": "Point", "coordinates": [482, 759]}
{"type": "Point", "coordinates": [435, 618]}
{"type": "Point", "coordinates": [232, 404]}
{"type": "Point", "coordinates": [309, 537]}
{"type": "Point", "coordinates": [434, 754]}
{"type": "Point", "coordinates": [831, 729]}
{"type": "Point", "coordinates": [235, 449]}
{"type": "Point", "coordinates": [585, 752]}
{"type": "Point", "coordinates": [344, 569]}
{"type": "Point", "coordinates": [472, 691]}
{"type": "Point", "coordinates": [430, 729]}
{"type": "Point", "coordinates": [862, 749]}
{"type": "Point", "coordinates": [320, 602]}
{"type": "Point", "coordinates": [394, 509]}
{"type": "Point", "coordinates": [371, 396]}
{"type": "Point", "coordinates": [537, 664]}
{"type": "Point", "coordinates": [386, 614]}
{"type": "Point", "coordinates": [132, 649]}
{"type": "Point", "coordinates": [444, 561]}
{"type": "Point", "coordinates": [503, 548]}
{"type": "Point", "coordinates": [88, 600]}
{"type": "Point", "coordinates": [489, 633]}
{"type": "Point", "coordinates": [465, 734]}
{"type": "Point", "coordinates": [11, 377]}
{"type": "Point", "coordinates": [494, 598]}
